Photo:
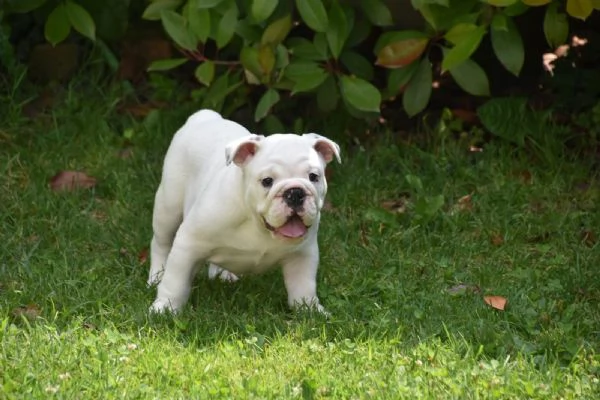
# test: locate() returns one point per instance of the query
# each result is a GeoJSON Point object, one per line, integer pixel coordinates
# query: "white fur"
{"type": "Point", "coordinates": [211, 207]}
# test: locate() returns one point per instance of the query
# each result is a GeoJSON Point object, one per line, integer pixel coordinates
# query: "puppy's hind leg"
{"type": "Point", "coordinates": [167, 216]}
{"type": "Point", "coordinates": [214, 271]}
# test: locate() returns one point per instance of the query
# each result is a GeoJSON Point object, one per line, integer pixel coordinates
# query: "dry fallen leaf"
{"type": "Point", "coordinates": [70, 180]}
{"type": "Point", "coordinates": [89, 325]}
{"type": "Point", "coordinates": [497, 302]}
{"type": "Point", "coordinates": [397, 206]}
{"type": "Point", "coordinates": [588, 237]}
{"type": "Point", "coordinates": [463, 288]}
{"type": "Point", "coordinates": [497, 239]}
{"type": "Point", "coordinates": [364, 239]}
{"type": "Point", "coordinates": [140, 110]}
{"type": "Point", "coordinates": [465, 115]}
{"type": "Point", "coordinates": [143, 256]}
{"type": "Point", "coordinates": [526, 177]}
{"type": "Point", "coordinates": [125, 153]}
{"type": "Point", "coordinates": [465, 203]}
{"type": "Point", "coordinates": [328, 206]}
{"type": "Point", "coordinates": [30, 311]}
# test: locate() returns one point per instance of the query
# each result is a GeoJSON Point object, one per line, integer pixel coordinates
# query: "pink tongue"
{"type": "Point", "coordinates": [294, 228]}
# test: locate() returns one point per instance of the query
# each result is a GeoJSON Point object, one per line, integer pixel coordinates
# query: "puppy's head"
{"type": "Point", "coordinates": [284, 179]}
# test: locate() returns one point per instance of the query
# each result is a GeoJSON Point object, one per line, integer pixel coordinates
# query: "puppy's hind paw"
{"type": "Point", "coordinates": [162, 306]}
{"type": "Point", "coordinates": [214, 271]}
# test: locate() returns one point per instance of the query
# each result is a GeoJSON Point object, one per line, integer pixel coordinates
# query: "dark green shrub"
{"type": "Point", "coordinates": [346, 56]}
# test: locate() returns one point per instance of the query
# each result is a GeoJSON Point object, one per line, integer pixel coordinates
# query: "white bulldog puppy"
{"type": "Point", "coordinates": [242, 203]}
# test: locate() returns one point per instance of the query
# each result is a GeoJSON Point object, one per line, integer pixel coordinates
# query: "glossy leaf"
{"type": "Point", "coordinates": [377, 12]}
{"type": "Point", "coordinates": [222, 87]}
{"type": "Point", "coordinates": [277, 31]}
{"type": "Point", "coordinates": [443, 17]}
{"type": "Point", "coordinates": [337, 30]}
{"type": "Point", "coordinates": [226, 27]}
{"type": "Point", "coordinates": [360, 94]}
{"type": "Point", "coordinates": [398, 78]}
{"type": "Point", "coordinates": [57, 26]}
{"type": "Point", "coordinates": [328, 95]}
{"type": "Point", "coordinates": [282, 57]}
{"type": "Point", "coordinates": [266, 60]}
{"type": "Point", "coordinates": [401, 53]}
{"type": "Point", "coordinates": [262, 9]}
{"type": "Point", "coordinates": [244, 28]}
{"type": "Point", "coordinates": [501, 3]}
{"type": "Point", "coordinates": [165, 65]}
{"type": "Point", "coordinates": [581, 9]}
{"type": "Point", "coordinates": [272, 124]}
{"type": "Point", "coordinates": [207, 3]}
{"type": "Point", "coordinates": [321, 45]}
{"type": "Point", "coordinates": [388, 38]}
{"type": "Point", "coordinates": [357, 64]}
{"type": "Point", "coordinates": [361, 29]}
{"type": "Point", "coordinates": [304, 49]}
{"type": "Point", "coordinates": [516, 9]}
{"type": "Point", "coordinates": [556, 26]}
{"type": "Point", "coordinates": [460, 32]}
{"type": "Point", "coordinates": [535, 3]}
{"type": "Point", "coordinates": [205, 72]}
{"type": "Point", "coordinates": [249, 59]}
{"type": "Point", "coordinates": [471, 78]}
{"type": "Point", "coordinates": [266, 102]}
{"type": "Point", "coordinates": [417, 4]}
{"type": "Point", "coordinates": [508, 118]}
{"type": "Point", "coordinates": [152, 12]}
{"type": "Point", "coordinates": [463, 49]}
{"type": "Point", "coordinates": [418, 90]}
{"type": "Point", "coordinates": [24, 6]}
{"type": "Point", "coordinates": [176, 28]}
{"type": "Point", "coordinates": [80, 19]}
{"type": "Point", "coordinates": [313, 13]}
{"type": "Point", "coordinates": [199, 22]}
{"type": "Point", "coordinates": [305, 75]}
{"type": "Point", "coordinates": [508, 47]}
{"type": "Point", "coordinates": [499, 22]}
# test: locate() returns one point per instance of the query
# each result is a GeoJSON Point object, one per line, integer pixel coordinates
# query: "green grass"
{"type": "Point", "coordinates": [399, 326]}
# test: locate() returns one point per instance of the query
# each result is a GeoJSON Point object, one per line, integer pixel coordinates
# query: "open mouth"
{"type": "Point", "coordinates": [293, 228]}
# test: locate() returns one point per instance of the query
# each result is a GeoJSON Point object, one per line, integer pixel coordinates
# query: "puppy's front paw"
{"type": "Point", "coordinates": [154, 278]}
{"type": "Point", "coordinates": [311, 306]}
{"type": "Point", "coordinates": [161, 306]}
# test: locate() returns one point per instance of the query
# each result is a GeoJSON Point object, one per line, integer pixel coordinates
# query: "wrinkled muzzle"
{"type": "Point", "coordinates": [291, 209]}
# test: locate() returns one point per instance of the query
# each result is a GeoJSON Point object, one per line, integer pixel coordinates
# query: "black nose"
{"type": "Point", "coordinates": [294, 197]}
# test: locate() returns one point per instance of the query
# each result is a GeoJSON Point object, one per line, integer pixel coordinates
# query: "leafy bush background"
{"type": "Point", "coordinates": [342, 56]}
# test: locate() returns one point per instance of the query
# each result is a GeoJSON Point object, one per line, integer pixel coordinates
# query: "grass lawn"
{"type": "Point", "coordinates": [405, 290]}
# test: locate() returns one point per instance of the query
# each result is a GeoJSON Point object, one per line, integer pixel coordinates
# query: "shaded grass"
{"type": "Point", "coordinates": [398, 327]}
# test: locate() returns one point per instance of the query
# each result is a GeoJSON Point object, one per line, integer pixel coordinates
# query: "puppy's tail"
{"type": "Point", "coordinates": [203, 116]}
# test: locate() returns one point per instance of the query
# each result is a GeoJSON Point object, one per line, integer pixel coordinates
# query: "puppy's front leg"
{"type": "Point", "coordinates": [174, 289]}
{"type": "Point", "coordinates": [300, 277]}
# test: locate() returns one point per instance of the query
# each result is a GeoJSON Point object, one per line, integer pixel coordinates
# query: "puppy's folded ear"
{"type": "Point", "coordinates": [325, 147]}
{"type": "Point", "coordinates": [241, 151]}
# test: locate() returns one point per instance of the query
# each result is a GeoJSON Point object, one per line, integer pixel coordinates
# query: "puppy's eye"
{"type": "Point", "coordinates": [267, 182]}
{"type": "Point", "coordinates": [313, 177]}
